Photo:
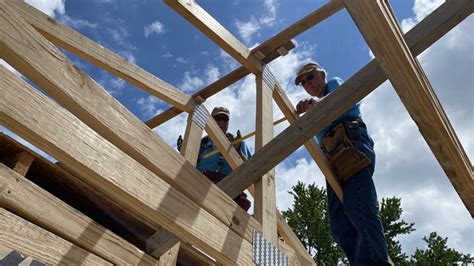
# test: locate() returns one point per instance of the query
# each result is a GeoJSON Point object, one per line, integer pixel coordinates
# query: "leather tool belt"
{"type": "Point", "coordinates": [345, 159]}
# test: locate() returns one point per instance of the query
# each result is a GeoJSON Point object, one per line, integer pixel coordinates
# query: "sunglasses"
{"type": "Point", "coordinates": [221, 118]}
{"type": "Point", "coordinates": [307, 78]}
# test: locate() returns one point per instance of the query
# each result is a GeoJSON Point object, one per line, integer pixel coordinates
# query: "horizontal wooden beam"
{"type": "Point", "coordinates": [100, 56]}
{"type": "Point", "coordinates": [39, 120]}
{"type": "Point", "coordinates": [353, 90]}
{"type": "Point", "coordinates": [202, 20]}
{"type": "Point", "coordinates": [300, 26]}
{"type": "Point", "coordinates": [45, 210]}
{"type": "Point", "coordinates": [380, 29]}
{"type": "Point", "coordinates": [26, 50]}
{"type": "Point", "coordinates": [31, 240]}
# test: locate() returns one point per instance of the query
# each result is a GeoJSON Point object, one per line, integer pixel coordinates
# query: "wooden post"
{"type": "Point", "coordinates": [264, 196]}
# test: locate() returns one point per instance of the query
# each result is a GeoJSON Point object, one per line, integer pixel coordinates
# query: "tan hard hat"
{"type": "Point", "coordinates": [306, 69]}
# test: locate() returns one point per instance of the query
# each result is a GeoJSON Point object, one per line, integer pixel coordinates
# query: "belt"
{"type": "Point", "coordinates": [345, 120]}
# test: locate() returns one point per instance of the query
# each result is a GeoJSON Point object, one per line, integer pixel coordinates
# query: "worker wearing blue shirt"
{"type": "Point", "coordinates": [215, 167]}
{"type": "Point", "coordinates": [355, 223]}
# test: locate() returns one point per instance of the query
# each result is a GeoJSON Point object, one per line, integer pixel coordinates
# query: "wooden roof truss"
{"type": "Point", "coordinates": [103, 147]}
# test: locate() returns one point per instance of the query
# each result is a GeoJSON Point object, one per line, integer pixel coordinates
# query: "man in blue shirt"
{"type": "Point", "coordinates": [215, 167]}
{"type": "Point", "coordinates": [355, 223]}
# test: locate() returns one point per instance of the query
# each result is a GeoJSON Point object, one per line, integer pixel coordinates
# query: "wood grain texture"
{"type": "Point", "coordinates": [43, 209]}
{"type": "Point", "coordinates": [31, 240]}
{"type": "Point", "coordinates": [45, 65]}
{"type": "Point", "coordinates": [43, 123]}
{"type": "Point", "coordinates": [383, 35]}
{"type": "Point", "coordinates": [102, 57]}
{"type": "Point", "coordinates": [202, 20]}
{"type": "Point", "coordinates": [264, 189]}
{"type": "Point", "coordinates": [23, 163]}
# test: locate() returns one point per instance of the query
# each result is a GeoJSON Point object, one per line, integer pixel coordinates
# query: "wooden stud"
{"type": "Point", "coordinates": [383, 34]}
{"type": "Point", "coordinates": [264, 196]}
{"type": "Point", "coordinates": [38, 206]}
{"type": "Point", "coordinates": [23, 163]}
{"type": "Point", "coordinates": [42, 245]}
{"type": "Point", "coordinates": [96, 54]}
{"type": "Point", "coordinates": [37, 119]}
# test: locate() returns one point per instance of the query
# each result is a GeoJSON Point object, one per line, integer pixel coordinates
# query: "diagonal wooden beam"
{"type": "Point", "coordinates": [202, 20]}
{"type": "Point", "coordinates": [96, 54]}
{"type": "Point", "coordinates": [22, 47]}
{"type": "Point", "coordinates": [34, 241]}
{"type": "Point", "coordinates": [383, 34]}
{"type": "Point", "coordinates": [355, 89]}
{"type": "Point", "coordinates": [39, 120]}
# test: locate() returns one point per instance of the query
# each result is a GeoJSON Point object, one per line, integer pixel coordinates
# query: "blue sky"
{"type": "Point", "coordinates": [153, 36]}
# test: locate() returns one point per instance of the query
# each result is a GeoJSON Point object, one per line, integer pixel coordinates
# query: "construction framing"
{"type": "Point", "coordinates": [154, 194]}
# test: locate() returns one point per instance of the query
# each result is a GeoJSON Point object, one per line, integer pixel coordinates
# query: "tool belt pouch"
{"type": "Point", "coordinates": [345, 159]}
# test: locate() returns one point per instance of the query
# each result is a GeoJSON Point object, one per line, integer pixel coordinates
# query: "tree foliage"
{"type": "Point", "coordinates": [438, 253]}
{"type": "Point", "coordinates": [309, 219]}
{"type": "Point", "coordinates": [390, 214]}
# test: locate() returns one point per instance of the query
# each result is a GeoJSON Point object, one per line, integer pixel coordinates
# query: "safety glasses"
{"type": "Point", "coordinates": [307, 78]}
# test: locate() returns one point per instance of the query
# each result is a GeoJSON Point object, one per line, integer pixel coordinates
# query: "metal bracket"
{"type": "Point", "coordinates": [200, 115]}
{"type": "Point", "coordinates": [268, 77]}
{"type": "Point", "coordinates": [264, 253]}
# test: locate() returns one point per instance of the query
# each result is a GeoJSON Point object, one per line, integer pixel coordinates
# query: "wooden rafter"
{"type": "Point", "coordinates": [40, 244]}
{"type": "Point", "coordinates": [383, 34]}
{"type": "Point", "coordinates": [87, 49]}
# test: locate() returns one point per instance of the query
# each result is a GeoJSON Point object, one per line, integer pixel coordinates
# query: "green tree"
{"type": "Point", "coordinates": [309, 219]}
{"type": "Point", "coordinates": [438, 253]}
{"type": "Point", "coordinates": [390, 214]}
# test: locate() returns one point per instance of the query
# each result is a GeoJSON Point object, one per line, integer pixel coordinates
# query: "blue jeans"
{"type": "Point", "coordinates": [356, 225]}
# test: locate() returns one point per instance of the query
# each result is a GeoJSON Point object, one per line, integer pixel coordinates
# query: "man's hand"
{"type": "Point", "coordinates": [305, 104]}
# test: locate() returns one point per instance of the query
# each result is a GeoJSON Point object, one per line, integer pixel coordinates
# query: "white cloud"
{"type": "Point", "coordinates": [154, 28]}
{"type": "Point", "coordinates": [181, 60]}
{"type": "Point", "coordinates": [190, 83]}
{"type": "Point", "coordinates": [149, 105]}
{"type": "Point", "coordinates": [247, 29]}
{"type": "Point", "coordinates": [50, 7]}
{"type": "Point", "coordinates": [167, 55]}
{"type": "Point", "coordinates": [421, 9]}
{"type": "Point", "coordinates": [77, 23]}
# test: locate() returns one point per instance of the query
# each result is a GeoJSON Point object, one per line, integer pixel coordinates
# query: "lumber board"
{"type": "Point", "coordinates": [264, 189]}
{"type": "Point", "coordinates": [102, 57]}
{"type": "Point", "coordinates": [23, 163]}
{"type": "Point", "coordinates": [315, 17]}
{"type": "Point", "coordinates": [382, 32]}
{"type": "Point", "coordinates": [25, 49]}
{"type": "Point", "coordinates": [39, 120]}
{"type": "Point", "coordinates": [171, 256]}
{"type": "Point", "coordinates": [43, 209]}
{"type": "Point", "coordinates": [202, 20]}
{"type": "Point", "coordinates": [192, 140]}
{"type": "Point", "coordinates": [353, 90]}
{"type": "Point", "coordinates": [33, 241]}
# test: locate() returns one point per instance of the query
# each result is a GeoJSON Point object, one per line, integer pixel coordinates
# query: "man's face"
{"type": "Point", "coordinates": [314, 83]}
{"type": "Point", "coordinates": [222, 122]}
